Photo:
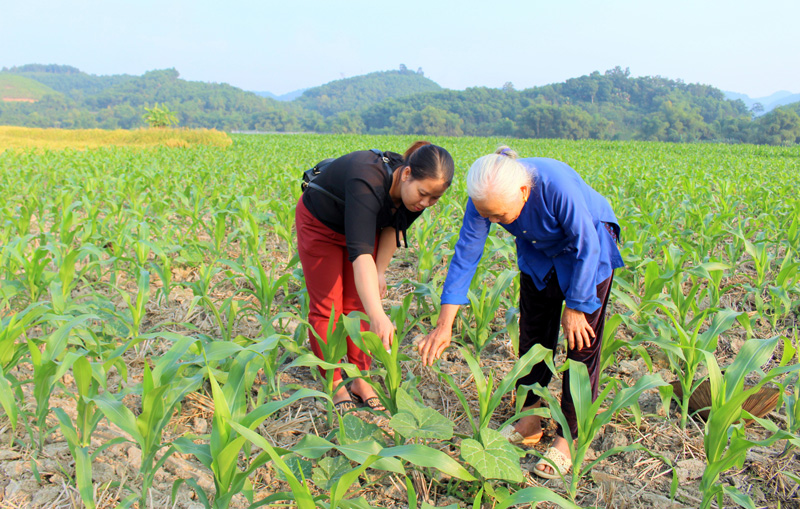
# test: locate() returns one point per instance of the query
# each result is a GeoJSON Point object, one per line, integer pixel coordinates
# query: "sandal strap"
{"type": "Point", "coordinates": [511, 434]}
{"type": "Point", "coordinates": [558, 458]}
{"type": "Point", "coordinates": [375, 403]}
{"type": "Point", "coordinates": [345, 405]}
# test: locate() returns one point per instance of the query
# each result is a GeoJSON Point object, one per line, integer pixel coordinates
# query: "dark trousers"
{"type": "Point", "coordinates": [539, 323]}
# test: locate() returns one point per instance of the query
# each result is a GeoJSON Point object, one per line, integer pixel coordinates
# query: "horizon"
{"type": "Point", "coordinates": [283, 47]}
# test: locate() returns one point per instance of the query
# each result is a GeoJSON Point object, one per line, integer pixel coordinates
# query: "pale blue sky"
{"type": "Point", "coordinates": [741, 46]}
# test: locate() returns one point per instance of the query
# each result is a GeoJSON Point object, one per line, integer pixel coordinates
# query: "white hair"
{"type": "Point", "coordinates": [497, 174]}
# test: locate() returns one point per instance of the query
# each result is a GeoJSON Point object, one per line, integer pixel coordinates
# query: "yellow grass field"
{"type": "Point", "coordinates": [58, 139]}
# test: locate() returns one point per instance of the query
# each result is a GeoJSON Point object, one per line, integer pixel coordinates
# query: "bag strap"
{"type": "Point", "coordinates": [324, 191]}
{"type": "Point", "coordinates": [332, 196]}
{"type": "Point", "coordinates": [385, 160]}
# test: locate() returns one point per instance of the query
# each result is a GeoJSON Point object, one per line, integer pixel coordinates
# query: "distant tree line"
{"type": "Point", "coordinates": [611, 105]}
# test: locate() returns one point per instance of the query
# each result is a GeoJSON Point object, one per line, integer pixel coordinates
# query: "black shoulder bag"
{"type": "Point", "coordinates": [310, 174]}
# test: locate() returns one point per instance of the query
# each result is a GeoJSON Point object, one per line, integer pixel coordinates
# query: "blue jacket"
{"type": "Point", "coordinates": [560, 226]}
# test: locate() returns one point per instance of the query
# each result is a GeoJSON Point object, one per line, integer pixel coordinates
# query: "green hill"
{"type": "Point", "coordinates": [22, 89]}
{"type": "Point", "coordinates": [69, 80]}
{"type": "Point", "coordinates": [362, 91]}
{"type": "Point", "coordinates": [608, 106]}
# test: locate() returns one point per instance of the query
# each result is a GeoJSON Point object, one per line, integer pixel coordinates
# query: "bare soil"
{"type": "Point", "coordinates": [37, 479]}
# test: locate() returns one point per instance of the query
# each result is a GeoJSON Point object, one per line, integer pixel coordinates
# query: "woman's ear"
{"type": "Point", "coordinates": [405, 173]}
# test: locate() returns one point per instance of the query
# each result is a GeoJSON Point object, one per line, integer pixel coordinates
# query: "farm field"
{"type": "Point", "coordinates": [153, 350]}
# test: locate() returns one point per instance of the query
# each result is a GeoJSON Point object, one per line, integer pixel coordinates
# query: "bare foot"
{"type": "Point", "coordinates": [562, 445]}
{"type": "Point", "coordinates": [362, 389]}
{"type": "Point", "coordinates": [341, 393]}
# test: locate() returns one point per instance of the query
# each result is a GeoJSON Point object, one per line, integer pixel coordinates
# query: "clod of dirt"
{"type": "Point", "coordinates": [690, 469]}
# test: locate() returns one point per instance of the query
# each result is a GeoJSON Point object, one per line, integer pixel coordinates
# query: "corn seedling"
{"type": "Point", "coordinates": [591, 420]}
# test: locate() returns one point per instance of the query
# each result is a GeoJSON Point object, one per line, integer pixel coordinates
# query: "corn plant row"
{"type": "Point", "coordinates": [94, 244]}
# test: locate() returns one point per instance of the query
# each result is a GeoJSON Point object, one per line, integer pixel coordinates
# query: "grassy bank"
{"type": "Point", "coordinates": [56, 139]}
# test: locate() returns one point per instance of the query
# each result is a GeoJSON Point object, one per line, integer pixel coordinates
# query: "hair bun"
{"type": "Point", "coordinates": [507, 151]}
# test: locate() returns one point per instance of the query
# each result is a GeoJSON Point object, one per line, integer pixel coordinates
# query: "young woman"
{"type": "Point", "coordinates": [347, 240]}
{"type": "Point", "coordinates": [566, 235]}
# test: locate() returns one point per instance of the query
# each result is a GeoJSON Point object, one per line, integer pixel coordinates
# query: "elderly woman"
{"type": "Point", "coordinates": [566, 235]}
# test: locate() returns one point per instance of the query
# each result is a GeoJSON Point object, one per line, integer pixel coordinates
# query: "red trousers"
{"type": "Point", "coordinates": [330, 282]}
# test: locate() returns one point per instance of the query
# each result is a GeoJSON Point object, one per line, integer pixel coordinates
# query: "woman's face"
{"type": "Point", "coordinates": [498, 208]}
{"type": "Point", "coordinates": [417, 195]}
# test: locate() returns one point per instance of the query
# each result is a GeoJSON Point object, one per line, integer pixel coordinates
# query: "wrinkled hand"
{"type": "Point", "coordinates": [382, 284]}
{"type": "Point", "coordinates": [433, 344]}
{"type": "Point", "coordinates": [383, 327]}
{"type": "Point", "coordinates": [576, 329]}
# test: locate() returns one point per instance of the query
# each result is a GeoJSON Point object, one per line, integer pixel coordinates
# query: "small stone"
{"type": "Point", "coordinates": [200, 426]}
{"type": "Point", "coordinates": [43, 497]}
{"type": "Point", "coordinates": [103, 473]}
{"type": "Point", "coordinates": [689, 469]}
{"type": "Point", "coordinates": [615, 439]}
{"type": "Point", "coordinates": [6, 455]}
{"type": "Point", "coordinates": [15, 469]}
{"type": "Point", "coordinates": [134, 457]}
{"type": "Point", "coordinates": [12, 489]}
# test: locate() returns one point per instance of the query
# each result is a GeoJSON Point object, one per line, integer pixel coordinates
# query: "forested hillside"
{"type": "Point", "coordinates": [609, 105]}
{"type": "Point", "coordinates": [361, 91]}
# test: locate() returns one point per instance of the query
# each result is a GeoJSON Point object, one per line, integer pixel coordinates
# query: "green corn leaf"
{"type": "Point", "coordinates": [301, 493]}
{"type": "Point", "coordinates": [7, 399]}
{"type": "Point", "coordinates": [119, 415]}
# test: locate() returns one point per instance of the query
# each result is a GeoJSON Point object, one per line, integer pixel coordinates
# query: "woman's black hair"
{"type": "Point", "coordinates": [428, 161]}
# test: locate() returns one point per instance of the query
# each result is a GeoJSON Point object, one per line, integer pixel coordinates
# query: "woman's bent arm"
{"type": "Point", "coordinates": [387, 245]}
{"type": "Point", "coordinates": [366, 276]}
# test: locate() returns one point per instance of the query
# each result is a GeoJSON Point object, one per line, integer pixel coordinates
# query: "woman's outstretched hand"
{"type": "Point", "coordinates": [577, 330]}
{"type": "Point", "coordinates": [433, 344]}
